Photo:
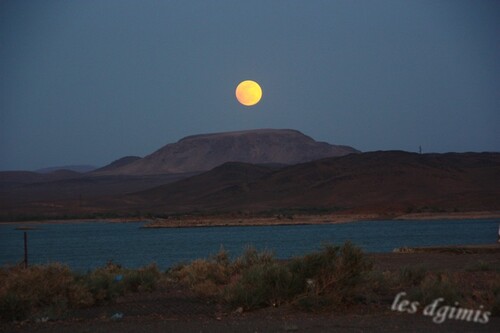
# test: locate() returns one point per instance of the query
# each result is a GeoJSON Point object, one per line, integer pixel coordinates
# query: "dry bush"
{"type": "Point", "coordinates": [252, 257]}
{"type": "Point", "coordinates": [111, 281]}
{"type": "Point", "coordinates": [259, 285]}
{"type": "Point", "coordinates": [205, 277]}
{"type": "Point", "coordinates": [146, 278]}
{"type": "Point", "coordinates": [411, 276]}
{"type": "Point", "coordinates": [333, 276]}
{"type": "Point", "coordinates": [437, 285]}
{"type": "Point", "coordinates": [50, 290]}
{"type": "Point", "coordinates": [46, 290]}
{"type": "Point", "coordinates": [105, 283]}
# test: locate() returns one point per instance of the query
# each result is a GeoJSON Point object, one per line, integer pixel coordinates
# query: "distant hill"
{"type": "Point", "coordinates": [201, 188]}
{"type": "Point", "coordinates": [76, 168]}
{"type": "Point", "coordinates": [384, 181]}
{"type": "Point", "coordinates": [21, 188]}
{"type": "Point", "coordinates": [204, 152]}
{"type": "Point", "coordinates": [116, 164]}
{"type": "Point", "coordinates": [8, 178]}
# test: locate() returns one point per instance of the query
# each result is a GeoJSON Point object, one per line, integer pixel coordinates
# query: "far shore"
{"type": "Point", "coordinates": [278, 220]}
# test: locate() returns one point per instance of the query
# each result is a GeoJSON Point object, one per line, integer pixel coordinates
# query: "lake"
{"type": "Point", "coordinates": [87, 245]}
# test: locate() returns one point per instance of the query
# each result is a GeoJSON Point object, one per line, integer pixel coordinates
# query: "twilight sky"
{"type": "Point", "coordinates": [87, 82]}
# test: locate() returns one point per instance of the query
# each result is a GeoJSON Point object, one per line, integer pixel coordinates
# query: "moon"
{"type": "Point", "coordinates": [248, 93]}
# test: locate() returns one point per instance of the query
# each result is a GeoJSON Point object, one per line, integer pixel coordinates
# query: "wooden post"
{"type": "Point", "coordinates": [498, 239]}
{"type": "Point", "coordinates": [25, 249]}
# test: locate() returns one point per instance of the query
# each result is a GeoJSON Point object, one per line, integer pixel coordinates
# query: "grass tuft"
{"type": "Point", "coordinates": [435, 286]}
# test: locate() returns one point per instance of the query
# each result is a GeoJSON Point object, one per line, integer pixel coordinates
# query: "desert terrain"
{"type": "Point", "coordinates": [177, 309]}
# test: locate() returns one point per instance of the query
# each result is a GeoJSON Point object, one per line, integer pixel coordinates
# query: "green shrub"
{"type": "Point", "coordinates": [333, 276]}
{"type": "Point", "coordinates": [143, 279]}
{"type": "Point", "coordinates": [111, 281]}
{"type": "Point", "coordinates": [261, 285]}
{"type": "Point", "coordinates": [103, 283]}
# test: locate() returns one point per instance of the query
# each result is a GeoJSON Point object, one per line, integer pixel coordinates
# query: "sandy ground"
{"type": "Point", "coordinates": [270, 321]}
{"type": "Point", "coordinates": [259, 221]}
{"type": "Point", "coordinates": [310, 219]}
{"type": "Point", "coordinates": [176, 310]}
{"type": "Point", "coordinates": [217, 221]}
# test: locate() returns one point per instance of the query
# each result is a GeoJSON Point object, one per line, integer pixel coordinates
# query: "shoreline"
{"type": "Point", "coordinates": [313, 219]}
{"type": "Point", "coordinates": [227, 221]}
{"type": "Point", "coordinates": [453, 249]}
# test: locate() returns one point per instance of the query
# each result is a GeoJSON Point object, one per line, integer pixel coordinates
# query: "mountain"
{"type": "Point", "coordinates": [75, 168]}
{"type": "Point", "coordinates": [202, 187]}
{"type": "Point", "coordinates": [116, 164]}
{"type": "Point", "coordinates": [21, 188]}
{"type": "Point", "coordinates": [204, 152]}
{"type": "Point", "coordinates": [385, 181]}
{"type": "Point", "coordinates": [10, 178]}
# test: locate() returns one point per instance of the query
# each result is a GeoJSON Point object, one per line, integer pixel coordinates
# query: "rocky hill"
{"type": "Point", "coordinates": [383, 182]}
{"type": "Point", "coordinates": [119, 163]}
{"type": "Point", "coordinates": [386, 181]}
{"type": "Point", "coordinates": [206, 151]}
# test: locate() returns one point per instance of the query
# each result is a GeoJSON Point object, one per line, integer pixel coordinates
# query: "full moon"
{"type": "Point", "coordinates": [248, 93]}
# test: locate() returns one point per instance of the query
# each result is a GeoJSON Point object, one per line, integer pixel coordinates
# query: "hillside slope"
{"type": "Point", "coordinates": [375, 181]}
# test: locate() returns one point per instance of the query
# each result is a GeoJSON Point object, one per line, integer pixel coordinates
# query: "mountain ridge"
{"type": "Point", "coordinates": [383, 182]}
{"type": "Point", "coordinates": [392, 180]}
{"type": "Point", "coordinates": [203, 152]}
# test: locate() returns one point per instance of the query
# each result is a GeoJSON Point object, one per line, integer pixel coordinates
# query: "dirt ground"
{"type": "Point", "coordinates": [176, 310]}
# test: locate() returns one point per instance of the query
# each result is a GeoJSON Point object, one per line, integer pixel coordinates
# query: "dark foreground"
{"type": "Point", "coordinates": [177, 310]}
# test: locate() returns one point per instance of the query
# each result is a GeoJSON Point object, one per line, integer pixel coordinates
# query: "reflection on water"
{"type": "Point", "coordinates": [86, 245]}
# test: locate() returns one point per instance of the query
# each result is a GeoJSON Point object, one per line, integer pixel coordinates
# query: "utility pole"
{"type": "Point", "coordinates": [498, 240]}
{"type": "Point", "coordinates": [25, 249]}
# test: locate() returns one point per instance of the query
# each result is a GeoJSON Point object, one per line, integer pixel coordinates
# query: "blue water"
{"type": "Point", "coordinates": [87, 245]}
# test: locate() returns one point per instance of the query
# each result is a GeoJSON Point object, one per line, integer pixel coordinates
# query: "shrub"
{"type": "Point", "coordinates": [434, 286]}
{"type": "Point", "coordinates": [260, 285]}
{"type": "Point", "coordinates": [104, 284]}
{"type": "Point", "coordinates": [480, 266]}
{"type": "Point", "coordinates": [36, 289]}
{"type": "Point", "coordinates": [205, 277]}
{"type": "Point", "coordinates": [411, 276]}
{"type": "Point", "coordinates": [111, 281]}
{"type": "Point", "coordinates": [13, 307]}
{"type": "Point", "coordinates": [330, 277]}
{"type": "Point", "coordinates": [495, 308]}
{"type": "Point", "coordinates": [251, 257]}
{"type": "Point", "coordinates": [50, 290]}
{"type": "Point", "coordinates": [143, 279]}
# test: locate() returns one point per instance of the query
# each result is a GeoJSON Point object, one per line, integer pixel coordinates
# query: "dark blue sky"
{"type": "Point", "coordinates": [87, 82]}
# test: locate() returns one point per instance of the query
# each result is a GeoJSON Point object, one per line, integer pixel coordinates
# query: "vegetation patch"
{"type": "Point", "coordinates": [51, 290]}
{"type": "Point", "coordinates": [331, 277]}
{"type": "Point", "coordinates": [334, 278]}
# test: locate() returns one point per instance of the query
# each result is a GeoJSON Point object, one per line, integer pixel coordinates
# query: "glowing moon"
{"type": "Point", "coordinates": [248, 93]}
